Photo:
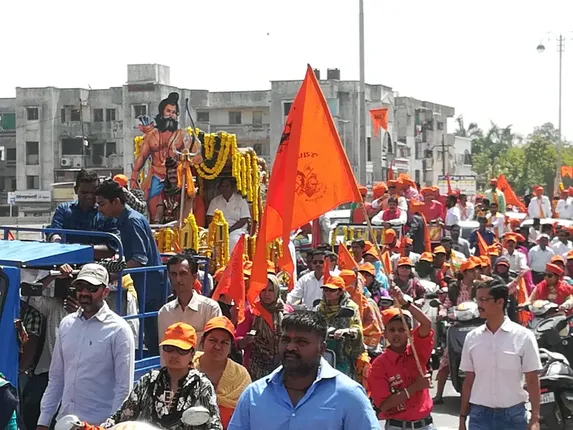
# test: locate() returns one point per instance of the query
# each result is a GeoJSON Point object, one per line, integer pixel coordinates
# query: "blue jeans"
{"type": "Point", "coordinates": [512, 418]}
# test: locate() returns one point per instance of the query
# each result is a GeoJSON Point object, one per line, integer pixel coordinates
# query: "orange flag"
{"type": "Point", "coordinates": [427, 240]}
{"type": "Point", "coordinates": [326, 270]}
{"type": "Point", "coordinates": [450, 191]}
{"type": "Point", "coordinates": [390, 172]}
{"type": "Point", "coordinates": [567, 171]}
{"type": "Point", "coordinates": [345, 259]}
{"type": "Point", "coordinates": [232, 280]}
{"type": "Point", "coordinates": [379, 119]}
{"type": "Point", "coordinates": [386, 262]}
{"type": "Point", "coordinates": [482, 245]}
{"type": "Point", "coordinates": [311, 175]}
{"type": "Point", "coordinates": [510, 197]}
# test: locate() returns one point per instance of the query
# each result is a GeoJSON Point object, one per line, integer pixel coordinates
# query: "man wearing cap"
{"type": "Point", "coordinates": [135, 198]}
{"type": "Point", "coordinates": [416, 226]}
{"type": "Point", "coordinates": [494, 195]}
{"type": "Point", "coordinates": [92, 367]}
{"type": "Point", "coordinates": [398, 391]}
{"type": "Point", "coordinates": [482, 231]}
{"type": "Point", "coordinates": [554, 288]}
{"type": "Point", "coordinates": [539, 256]}
{"type": "Point", "coordinates": [432, 210]}
{"type": "Point", "coordinates": [563, 245]}
{"type": "Point", "coordinates": [517, 259]}
{"type": "Point", "coordinates": [406, 252]}
{"type": "Point", "coordinates": [442, 269]}
{"type": "Point", "coordinates": [307, 288]}
{"type": "Point", "coordinates": [407, 281]}
{"type": "Point", "coordinates": [539, 206]}
{"type": "Point", "coordinates": [356, 212]}
{"type": "Point", "coordinates": [495, 357]}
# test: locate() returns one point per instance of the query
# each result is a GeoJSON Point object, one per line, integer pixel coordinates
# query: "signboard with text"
{"type": "Point", "coordinates": [32, 196]}
{"type": "Point", "coordinates": [465, 183]}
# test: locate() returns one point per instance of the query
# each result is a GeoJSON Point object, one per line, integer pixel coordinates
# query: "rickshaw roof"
{"type": "Point", "coordinates": [40, 254]}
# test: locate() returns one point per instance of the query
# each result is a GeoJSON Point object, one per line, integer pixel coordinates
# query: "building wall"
{"type": "Point", "coordinates": [7, 152]}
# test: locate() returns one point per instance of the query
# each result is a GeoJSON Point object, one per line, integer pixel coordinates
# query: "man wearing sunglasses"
{"type": "Point", "coordinates": [92, 367]}
{"type": "Point", "coordinates": [308, 287]}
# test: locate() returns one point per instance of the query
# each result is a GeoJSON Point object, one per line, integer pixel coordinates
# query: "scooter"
{"type": "Point", "coordinates": [194, 416]}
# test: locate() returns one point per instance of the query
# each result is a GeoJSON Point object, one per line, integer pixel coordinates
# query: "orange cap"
{"type": "Point", "coordinates": [493, 250]}
{"type": "Point", "coordinates": [435, 188]}
{"type": "Point", "coordinates": [389, 236]}
{"type": "Point", "coordinates": [368, 245]}
{"type": "Point", "coordinates": [510, 237]}
{"type": "Point", "coordinates": [222, 323]}
{"type": "Point", "coordinates": [379, 189]}
{"type": "Point", "coordinates": [368, 268]}
{"type": "Point", "coordinates": [439, 250]}
{"type": "Point", "coordinates": [467, 265]}
{"type": "Point", "coordinates": [570, 255]}
{"type": "Point", "coordinates": [404, 261]}
{"type": "Point", "coordinates": [391, 313]}
{"type": "Point", "coordinates": [348, 276]}
{"type": "Point", "coordinates": [485, 261]}
{"type": "Point", "coordinates": [552, 268]}
{"type": "Point", "coordinates": [416, 203]}
{"type": "Point", "coordinates": [392, 183]}
{"type": "Point", "coordinates": [180, 335]}
{"type": "Point", "coordinates": [363, 190]}
{"type": "Point", "coordinates": [476, 260]}
{"type": "Point", "coordinates": [427, 256]}
{"type": "Point", "coordinates": [335, 283]}
{"type": "Point", "coordinates": [426, 190]}
{"type": "Point", "coordinates": [557, 258]}
{"type": "Point", "coordinates": [120, 179]}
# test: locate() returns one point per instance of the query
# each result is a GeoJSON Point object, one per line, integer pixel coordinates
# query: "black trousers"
{"type": "Point", "coordinates": [31, 399]}
{"type": "Point", "coordinates": [537, 277]}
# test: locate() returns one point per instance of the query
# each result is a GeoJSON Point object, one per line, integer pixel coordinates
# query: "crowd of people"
{"type": "Point", "coordinates": [363, 308]}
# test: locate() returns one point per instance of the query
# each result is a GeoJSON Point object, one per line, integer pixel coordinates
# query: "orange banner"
{"type": "Point", "coordinates": [510, 197]}
{"type": "Point", "coordinates": [567, 171]}
{"type": "Point", "coordinates": [345, 258]}
{"type": "Point", "coordinates": [379, 119]}
{"type": "Point", "coordinates": [311, 175]}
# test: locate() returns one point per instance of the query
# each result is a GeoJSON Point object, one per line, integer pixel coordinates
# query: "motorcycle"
{"type": "Point", "coordinates": [194, 416]}
{"type": "Point", "coordinates": [459, 321]}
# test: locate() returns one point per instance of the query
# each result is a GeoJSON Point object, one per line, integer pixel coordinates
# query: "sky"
{"type": "Point", "coordinates": [477, 56]}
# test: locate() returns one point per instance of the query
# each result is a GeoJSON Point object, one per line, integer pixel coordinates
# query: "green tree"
{"type": "Point", "coordinates": [488, 149]}
{"type": "Point", "coordinates": [473, 131]}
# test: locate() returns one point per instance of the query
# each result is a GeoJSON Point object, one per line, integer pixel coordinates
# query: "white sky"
{"type": "Point", "coordinates": [477, 56]}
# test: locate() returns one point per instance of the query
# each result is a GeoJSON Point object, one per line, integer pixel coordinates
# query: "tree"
{"type": "Point", "coordinates": [488, 149]}
{"type": "Point", "coordinates": [473, 131]}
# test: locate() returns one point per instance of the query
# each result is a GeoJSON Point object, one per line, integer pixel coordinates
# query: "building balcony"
{"type": "Point", "coordinates": [428, 164]}
{"type": "Point", "coordinates": [246, 132]}
{"type": "Point", "coordinates": [111, 129]}
{"type": "Point", "coordinates": [73, 129]}
{"type": "Point", "coordinates": [75, 162]}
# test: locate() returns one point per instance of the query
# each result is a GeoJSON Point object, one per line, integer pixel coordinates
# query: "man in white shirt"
{"type": "Point", "coordinates": [495, 357]}
{"type": "Point", "coordinates": [393, 216]}
{"type": "Point", "coordinates": [189, 307]}
{"type": "Point", "coordinates": [453, 215]}
{"type": "Point", "coordinates": [539, 256]}
{"type": "Point", "coordinates": [235, 210]}
{"type": "Point", "coordinates": [563, 245]}
{"type": "Point", "coordinates": [517, 259]}
{"type": "Point", "coordinates": [539, 206]}
{"type": "Point", "coordinates": [495, 220]}
{"type": "Point", "coordinates": [308, 287]}
{"type": "Point", "coordinates": [564, 207]}
{"type": "Point", "coordinates": [93, 362]}
{"type": "Point", "coordinates": [467, 209]}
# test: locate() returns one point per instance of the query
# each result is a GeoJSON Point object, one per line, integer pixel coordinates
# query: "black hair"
{"type": "Point", "coordinates": [393, 200]}
{"type": "Point", "coordinates": [319, 252]}
{"type": "Point", "coordinates": [358, 242]}
{"type": "Point", "coordinates": [170, 163]}
{"type": "Point", "coordinates": [481, 219]}
{"type": "Point", "coordinates": [462, 195]}
{"type": "Point", "coordinates": [110, 190]}
{"type": "Point", "coordinates": [485, 202]}
{"type": "Point", "coordinates": [456, 226]}
{"type": "Point", "coordinates": [536, 221]}
{"type": "Point", "coordinates": [180, 258]}
{"type": "Point", "coordinates": [446, 239]}
{"type": "Point", "coordinates": [493, 203]}
{"type": "Point", "coordinates": [86, 176]}
{"type": "Point", "coordinates": [424, 268]}
{"type": "Point", "coordinates": [232, 181]}
{"type": "Point", "coordinates": [452, 198]}
{"type": "Point", "coordinates": [497, 289]}
{"type": "Point", "coordinates": [172, 99]}
{"type": "Point", "coordinates": [305, 321]}
{"type": "Point", "coordinates": [323, 247]}
{"type": "Point", "coordinates": [332, 256]}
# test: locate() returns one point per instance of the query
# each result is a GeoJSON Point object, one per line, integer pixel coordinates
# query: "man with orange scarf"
{"type": "Point", "coordinates": [554, 288]}
{"type": "Point", "coordinates": [432, 210]}
{"type": "Point", "coordinates": [539, 206]}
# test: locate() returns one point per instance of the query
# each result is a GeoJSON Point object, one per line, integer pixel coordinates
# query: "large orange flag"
{"type": "Point", "coordinates": [311, 176]}
{"type": "Point", "coordinates": [510, 197]}
{"type": "Point", "coordinates": [379, 119]}
{"type": "Point", "coordinates": [232, 281]}
{"type": "Point", "coordinates": [345, 259]}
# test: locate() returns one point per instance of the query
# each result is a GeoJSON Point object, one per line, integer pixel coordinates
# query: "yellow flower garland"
{"type": "Point", "coordinates": [218, 239]}
{"type": "Point", "coordinates": [189, 233]}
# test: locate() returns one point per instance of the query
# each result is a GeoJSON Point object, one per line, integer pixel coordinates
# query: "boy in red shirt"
{"type": "Point", "coordinates": [398, 390]}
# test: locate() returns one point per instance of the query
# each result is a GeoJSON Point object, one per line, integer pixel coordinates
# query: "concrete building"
{"type": "Point", "coordinates": [343, 98]}
{"type": "Point", "coordinates": [7, 154]}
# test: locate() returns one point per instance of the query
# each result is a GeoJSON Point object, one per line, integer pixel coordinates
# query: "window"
{"type": "Point", "coordinates": [235, 118]}
{"type": "Point", "coordinates": [139, 110]}
{"type": "Point", "coordinates": [286, 108]}
{"type": "Point", "coordinates": [32, 113]}
{"type": "Point", "coordinates": [10, 183]}
{"type": "Point", "coordinates": [257, 117]}
{"type": "Point", "coordinates": [8, 121]}
{"type": "Point", "coordinates": [32, 153]}
{"type": "Point", "coordinates": [63, 115]}
{"type": "Point", "coordinates": [2, 155]}
{"type": "Point", "coordinates": [98, 115]}
{"type": "Point", "coordinates": [258, 148]}
{"type": "Point", "coordinates": [11, 154]}
{"type": "Point", "coordinates": [33, 182]}
{"type": "Point", "coordinates": [417, 176]}
{"type": "Point", "coordinates": [110, 148]}
{"type": "Point", "coordinates": [368, 149]}
{"type": "Point", "coordinates": [72, 147]}
{"type": "Point", "coordinates": [109, 115]}
{"type": "Point", "coordinates": [75, 115]}
{"type": "Point", "coordinates": [333, 106]}
{"type": "Point", "coordinates": [202, 116]}
{"type": "Point", "coordinates": [467, 158]}
{"type": "Point", "coordinates": [440, 125]}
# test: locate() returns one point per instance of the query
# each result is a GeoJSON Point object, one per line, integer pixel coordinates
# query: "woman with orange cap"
{"type": "Point", "coordinates": [161, 396]}
{"type": "Point", "coordinates": [229, 378]}
{"type": "Point", "coordinates": [554, 288]}
{"type": "Point", "coordinates": [406, 279]}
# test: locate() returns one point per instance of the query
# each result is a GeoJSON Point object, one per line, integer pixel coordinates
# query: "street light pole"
{"type": "Point", "coordinates": [561, 48]}
{"type": "Point", "coordinates": [362, 99]}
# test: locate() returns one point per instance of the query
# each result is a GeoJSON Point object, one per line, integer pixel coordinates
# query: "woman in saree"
{"type": "Point", "coordinates": [259, 340]}
{"type": "Point", "coordinates": [229, 378]}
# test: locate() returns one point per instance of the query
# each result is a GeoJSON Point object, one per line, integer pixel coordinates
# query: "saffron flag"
{"type": "Point", "coordinates": [482, 244]}
{"type": "Point", "coordinates": [311, 175]}
{"type": "Point", "coordinates": [567, 171]}
{"type": "Point", "coordinates": [390, 172]}
{"type": "Point", "coordinates": [450, 191]}
{"type": "Point", "coordinates": [232, 281]}
{"type": "Point", "coordinates": [345, 259]}
{"type": "Point", "coordinates": [379, 119]}
{"type": "Point", "coordinates": [510, 197]}
{"type": "Point", "coordinates": [427, 240]}
{"type": "Point", "coordinates": [326, 270]}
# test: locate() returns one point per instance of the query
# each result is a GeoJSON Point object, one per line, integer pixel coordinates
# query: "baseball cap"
{"type": "Point", "coordinates": [467, 265]}
{"type": "Point", "coordinates": [439, 250]}
{"type": "Point", "coordinates": [120, 179]}
{"type": "Point", "coordinates": [368, 268]}
{"type": "Point", "coordinates": [389, 236]}
{"type": "Point", "coordinates": [502, 261]}
{"type": "Point", "coordinates": [570, 255]}
{"type": "Point", "coordinates": [557, 258]}
{"type": "Point", "coordinates": [427, 256]}
{"type": "Point", "coordinates": [180, 335]}
{"type": "Point", "coordinates": [94, 274]}
{"type": "Point", "coordinates": [552, 268]}
{"type": "Point", "coordinates": [335, 283]}
{"type": "Point", "coordinates": [391, 313]}
{"type": "Point", "coordinates": [221, 323]}
{"type": "Point", "coordinates": [404, 261]}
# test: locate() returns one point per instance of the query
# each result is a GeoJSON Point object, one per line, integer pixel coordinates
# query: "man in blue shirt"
{"type": "Point", "coordinates": [83, 214]}
{"type": "Point", "coordinates": [305, 392]}
{"type": "Point", "coordinates": [485, 233]}
{"type": "Point", "coordinates": [140, 250]}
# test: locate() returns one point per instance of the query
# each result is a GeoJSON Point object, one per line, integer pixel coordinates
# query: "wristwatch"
{"type": "Point", "coordinates": [406, 305]}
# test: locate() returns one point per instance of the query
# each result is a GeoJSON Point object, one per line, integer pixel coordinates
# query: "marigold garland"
{"type": "Point", "coordinates": [218, 239]}
{"type": "Point", "coordinates": [189, 233]}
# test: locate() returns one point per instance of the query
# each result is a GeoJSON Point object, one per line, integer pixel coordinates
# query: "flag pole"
{"type": "Point", "coordinates": [391, 284]}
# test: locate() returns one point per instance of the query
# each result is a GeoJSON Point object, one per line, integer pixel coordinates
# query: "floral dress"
{"type": "Point", "coordinates": [151, 402]}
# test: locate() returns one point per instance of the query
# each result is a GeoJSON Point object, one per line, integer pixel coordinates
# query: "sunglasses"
{"type": "Point", "coordinates": [549, 275]}
{"type": "Point", "coordinates": [318, 262]}
{"type": "Point", "coordinates": [170, 348]}
{"type": "Point", "coordinates": [90, 288]}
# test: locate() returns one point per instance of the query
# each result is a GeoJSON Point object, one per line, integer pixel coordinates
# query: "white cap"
{"type": "Point", "coordinates": [94, 274]}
